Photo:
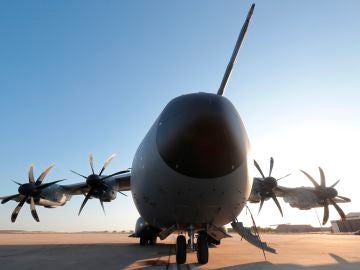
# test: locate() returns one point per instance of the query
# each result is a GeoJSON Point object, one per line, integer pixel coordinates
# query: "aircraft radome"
{"type": "Point", "coordinates": [190, 175]}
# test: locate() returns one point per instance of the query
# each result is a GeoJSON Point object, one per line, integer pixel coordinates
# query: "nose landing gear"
{"type": "Point", "coordinates": [180, 249]}
{"type": "Point", "coordinates": [201, 247]}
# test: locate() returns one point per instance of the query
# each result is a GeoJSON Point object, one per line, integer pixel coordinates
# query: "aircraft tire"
{"type": "Point", "coordinates": [180, 249]}
{"type": "Point", "coordinates": [202, 248]}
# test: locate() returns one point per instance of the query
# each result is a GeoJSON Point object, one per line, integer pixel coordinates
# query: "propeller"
{"type": "Point", "coordinates": [97, 183]}
{"type": "Point", "coordinates": [327, 195]}
{"type": "Point", "coordinates": [267, 186]}
{"type": "Point", "coordinates": [29, 192]}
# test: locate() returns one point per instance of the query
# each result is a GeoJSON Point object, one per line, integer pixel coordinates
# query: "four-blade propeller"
{"type": "Point", "coordinates": [97, 183]}
{"type": "Point", "coordinates": [326, 195]}
{"type": "Point", "coordinates": [268, 184]}
{"type": "Point", "coordinates": [30, 192]}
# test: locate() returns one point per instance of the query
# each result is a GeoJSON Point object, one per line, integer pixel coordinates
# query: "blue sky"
{"type": "Point", "coordinates": [90, 76]}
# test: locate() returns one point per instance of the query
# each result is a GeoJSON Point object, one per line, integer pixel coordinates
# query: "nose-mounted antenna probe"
{"type": "Point", "coordinates": [235, 52]}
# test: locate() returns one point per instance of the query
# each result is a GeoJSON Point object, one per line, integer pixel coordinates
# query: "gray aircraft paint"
{"type": "Point", "coordinates": [165, 197]}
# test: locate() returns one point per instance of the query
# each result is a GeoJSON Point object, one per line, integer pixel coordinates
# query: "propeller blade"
{"type": "Point", "coordinates": [322, 178]}
{"type": "Point", "coordinates": [19, 184]}
{"type": "Point", "coordinates": [17, 209]}
{"type": "Point", "coordinates": [271, 166]}
{"type": "Point", "coordinates": [85, 201]}
{"type": "Point", "coordinates": [277, 203]}
{"type": "Point", "coordinates": [235, 52]}
{"type": "Point", "coordinates": [31, 174]}
{"type": "Point", "coordinates": [333, 185]}
{"type": "Point", "coordinates": [83, 176]}
{"type": "Point", "coordinates": [43, 186]}
{"type": "Point", "coordinates": [311, 179]}
{"type": "Point", "coordinates": [283, 177]}
{"type": "Point", "coordinates": [261, 204]}
{"type": "Point", "coordinates": [114, 174]}
{"type": "Point", "coordinates": [344, 198]}
{"type": "Point", "coordinates": [110, 187]}
{"type": "Point", "coordinates": [91, 160]}
{"type": "Point", "coordinates": [43, 175]}
{"type": "Point", "coordinates": [259, 169]}
{"type": "Point", "coordinates": [338, 209]}
{"type": "Point", "coordinates": [33, 209]}
{"type": "Point", "coordinates": [5, 200]}
{"type": "Point", "coordinates": [102, 206]}
{"type": "Point", "coordinates": [107, 162]}
{"type": "Point", "coordinates": [326, 213]}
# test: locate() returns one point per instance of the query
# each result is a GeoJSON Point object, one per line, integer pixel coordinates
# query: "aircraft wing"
{"type": "Point", "coordinates": [76, 189]}
{"type": "Point", "coordinates": [303, 197]}
{"type": "Point", "coordinates": [119, 183]}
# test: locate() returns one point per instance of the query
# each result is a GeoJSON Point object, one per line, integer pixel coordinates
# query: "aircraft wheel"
{"type": "Point", "coordinates": [180, 249]}
{"type": "Point", "coordinates": [202, 248]}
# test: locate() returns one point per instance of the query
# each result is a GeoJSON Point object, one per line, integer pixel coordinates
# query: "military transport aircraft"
{"type": "Point", "coordinates": [190, 175]}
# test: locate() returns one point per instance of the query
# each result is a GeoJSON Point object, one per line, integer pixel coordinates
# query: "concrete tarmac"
{"type": "Point", "coordinates": [117, 251]}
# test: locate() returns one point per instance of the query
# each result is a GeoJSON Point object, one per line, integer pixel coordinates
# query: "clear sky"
{"type": "Point", "coordinates": [91, 76]}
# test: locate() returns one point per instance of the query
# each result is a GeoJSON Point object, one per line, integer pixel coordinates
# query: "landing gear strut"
{"type": "Point", "coordinates": [202, 248]}
{"type": "Point", "coordinates": [180, 249]}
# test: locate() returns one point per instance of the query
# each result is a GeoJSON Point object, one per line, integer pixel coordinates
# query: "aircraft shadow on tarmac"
{"type": "Point", "coordinates": [341, 264]}
{"type": "Point", "coordinates": [124, 256]}
{"type": "Point", "coordinates": [84, 256]}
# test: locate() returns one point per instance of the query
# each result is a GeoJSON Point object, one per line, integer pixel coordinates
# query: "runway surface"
{"type": "Point", "coordinates": [117, 251]}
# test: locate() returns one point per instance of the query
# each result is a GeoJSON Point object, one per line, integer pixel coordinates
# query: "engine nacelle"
{"type": "Point", "coordinates": [108, 195]}
{"type": "Point", "coordinates": [52, 197]}
{"type": "Point", "coordinates": [302, 204]}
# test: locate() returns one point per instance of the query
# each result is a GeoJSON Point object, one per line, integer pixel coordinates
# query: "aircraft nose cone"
{"type": "Point", "coordinates": [201, 135]}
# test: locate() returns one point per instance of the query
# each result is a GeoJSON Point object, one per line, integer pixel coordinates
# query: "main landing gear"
{"type": "Point", "coordinates": [201, 248]}
{"type": "Point", "coordinates": [146, 240]}
{"type": "Point", "coordinates": [148, 237]}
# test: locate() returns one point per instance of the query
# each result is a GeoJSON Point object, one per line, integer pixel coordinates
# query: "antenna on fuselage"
{"type": "Point", "coordinates": [235, 52]}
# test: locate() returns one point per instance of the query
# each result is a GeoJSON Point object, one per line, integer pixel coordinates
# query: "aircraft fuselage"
{"type": "Point", "coordinates": [192, 167]}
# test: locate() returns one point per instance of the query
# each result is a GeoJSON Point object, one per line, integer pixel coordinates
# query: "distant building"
{"type": "Point", "coordinates": [287, 228]}
{"type": "Point", "coordinates": [351, 224]}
